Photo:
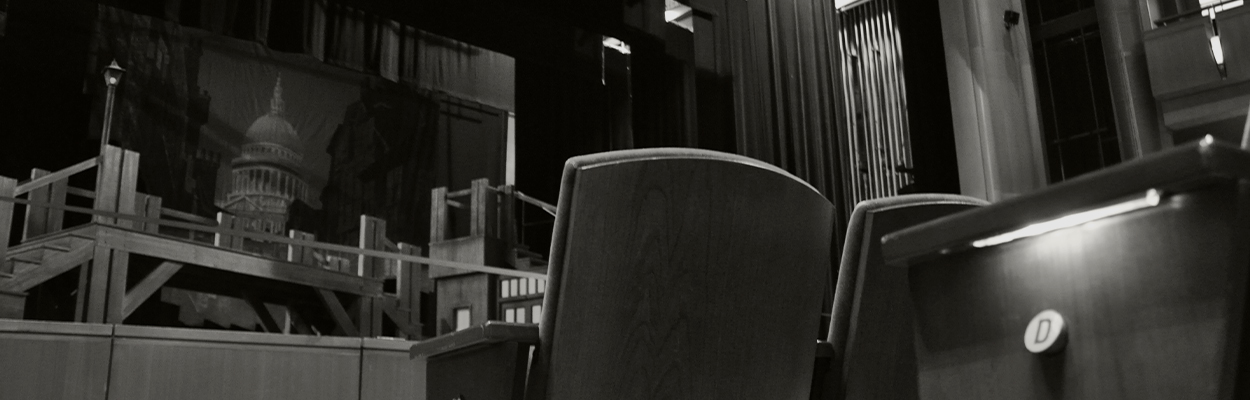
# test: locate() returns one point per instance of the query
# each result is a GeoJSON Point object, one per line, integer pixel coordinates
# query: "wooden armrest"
{"type": "Point", "coordinates": [489, 332]}
{"type": "Point", "coordinates": [824, 349]}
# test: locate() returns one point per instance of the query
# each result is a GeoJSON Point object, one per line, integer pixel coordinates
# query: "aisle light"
{"type": "Point", "coordinates": [1151, 199]}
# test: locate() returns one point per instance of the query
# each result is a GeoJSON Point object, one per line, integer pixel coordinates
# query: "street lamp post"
{"type": "Point", "coordinates": [112, 76]}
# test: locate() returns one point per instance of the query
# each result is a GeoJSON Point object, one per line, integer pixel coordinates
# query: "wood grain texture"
{"type": "Point", "coordinates": [682, 274]}
{"type": "Point", "coordinates": [1154, 301]}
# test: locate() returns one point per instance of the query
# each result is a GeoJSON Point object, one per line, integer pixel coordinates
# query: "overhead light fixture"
{"type": "Point", "coordinates": [1151, 199]}
{"type": "Point", "coordinates": [1217, 50]}
{"type": "Point", "coordinates": [842, 5]}
{"type": "Point", "coordinates": [616, 44]}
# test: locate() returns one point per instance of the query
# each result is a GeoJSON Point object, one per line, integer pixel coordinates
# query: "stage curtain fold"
{"type": "Point", "coordinates": [777, 56]}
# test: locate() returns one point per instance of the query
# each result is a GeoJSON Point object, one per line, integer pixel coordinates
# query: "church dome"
{"type": "Point", "coordinates": [272, 128]}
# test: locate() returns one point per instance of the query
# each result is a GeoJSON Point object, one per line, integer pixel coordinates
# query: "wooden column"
{"type": "Point", "coordinates": [438, 214]}
{"type": "Point", "coordinates": [226, 240]}
{"type": "Point", "coordinates": [482, 209]}
{"type": "Point", "coordinates": [116, 182]}
{"type": "Point", "coordinates": [105, 286]}
{"type": "Point", "coordinates": [1119, 24]}
{"type": "Point", "coordinates": [42, 220]}
{"type": "Point", "coordinates": [412, 279]}
{"type": "Point", "coordinates": [148, 206]}
{"type": "Point", "coordinates": [300, 254]}
{"type": "Point", "coordinates": [369, 310]}
{"type": "Point", "coordinates": [8, 186]}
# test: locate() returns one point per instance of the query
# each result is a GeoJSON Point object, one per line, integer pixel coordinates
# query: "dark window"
{"type": "Point", "coordinates": [1078, 124]}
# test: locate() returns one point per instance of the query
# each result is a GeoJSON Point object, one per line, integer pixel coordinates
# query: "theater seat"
{"type": "Point", "coordinates": [871, 325]}
{"type": "Point", "coordinates": [675, 273]}
{"type": "Point", "coordinates": [1126, 283]}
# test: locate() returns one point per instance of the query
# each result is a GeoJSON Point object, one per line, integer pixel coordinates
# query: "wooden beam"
{"type": "Point", "coordinates": [341, 318]}
{"type": "Point", "coordinates": [262, 312]}
{"type": "Point", "coordinates": [107, 183]}
{"type": "Point", "coordinates": [80, 296]}
{"type": "Point", "coordinates": [412, 278]}
{"type": "Point", "coordinates": [127, 187]}
{"type": "Point", "coordinates": [80, 192]}
{"type": "Point", "coordinates": [36, 217]}
{"type": "Point", "coordinates": [222, 259]}
{"type": "Point", "coordinates": [52, 267]}
{"type": "Point", "coordinates": [411, 328]}
{"type": "Point", "coordinates": [300, 254]}
{"type": "Point", "coordinates": [7, 188]}
{"type": "Point", "coordinates": [148, 286]}
{"type": "Point", "coordinates": [297, 323]}
{"type": "Point", "coordinates": [438, 214]}
{"type": "Point", "coordinates": [186, 216]}
{"type": "Point", "coordinates": [119, 267]}
{"type": "Point", "coordinates": [55, 176]}
{"type": "Point", "coordinates": [152, 209]}
{"type": "Point", "coordinates": [97, 288]}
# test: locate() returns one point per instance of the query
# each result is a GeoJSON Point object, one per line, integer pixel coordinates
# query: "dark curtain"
{"type": "Point", "coordinates": [776, 57]}
{"type": "Point", "coordinates": [774, 61]}
{"type": "Point", "coordinates": [154, 99]}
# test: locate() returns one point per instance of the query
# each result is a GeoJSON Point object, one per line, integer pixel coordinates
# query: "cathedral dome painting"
{"type": "Point", "coordinates": [266, 176]}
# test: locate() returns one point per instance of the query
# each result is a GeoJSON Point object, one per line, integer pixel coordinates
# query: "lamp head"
{"type": "Point", "coordinates": [113, 73]}
{"type": "Point", "coordinates": [1011, 18]}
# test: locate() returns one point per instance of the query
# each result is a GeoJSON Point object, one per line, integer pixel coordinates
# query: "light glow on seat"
{"type": "Point", "coordinates": [1151, 199]}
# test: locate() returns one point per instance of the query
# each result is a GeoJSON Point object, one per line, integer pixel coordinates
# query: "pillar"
{"type": "Point", "coordinates": [1136, 119]}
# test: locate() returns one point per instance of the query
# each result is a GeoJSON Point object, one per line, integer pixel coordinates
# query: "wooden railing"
{"type": "Point", "coordinates": [499, 212]}
{"type": "Point", "coordinates": [118, 203]}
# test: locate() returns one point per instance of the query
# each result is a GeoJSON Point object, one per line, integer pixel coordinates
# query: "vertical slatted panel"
{"type": "Point", "coordinates": [874, 101]}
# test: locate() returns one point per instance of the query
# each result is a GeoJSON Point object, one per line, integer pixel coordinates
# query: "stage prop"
{"type": "Point", "coordinates": [1127, 283]}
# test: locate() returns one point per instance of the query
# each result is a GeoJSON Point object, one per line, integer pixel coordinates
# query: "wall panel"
{"type": "Point", "coordinates": [48, 361]}
{"type": "Point", "coordinates": [163, 363]}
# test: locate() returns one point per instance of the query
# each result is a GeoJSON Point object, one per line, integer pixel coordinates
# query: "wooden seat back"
{"type": "Point", "coordinates": [681, 273]}
{"type": "Point", "coordinates": [871, 324]}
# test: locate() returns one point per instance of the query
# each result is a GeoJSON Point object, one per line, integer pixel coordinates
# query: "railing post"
{"type": "Point", "coordinates": [108, 177]}
{"type": "Point", "coordinates": [438, 214]}
{"type": "Point", "coordinates": [36, 216]}
{"type": "Point", "coordinates": [300, 254]}
{"type": "Point", "coordinates": [8, 186]}
{"type": "Point", "coordinates": [482, 209]}
{"type": "Point", "coordinates": [230, 223]}
{"type": "Point", "coordinates": [412, 278]}
{"type": "Point", "coordinates": [152, 209]}
{"type": "Point", "coordinates": [372, 235]}
{"type": "Point", "coordinates": [116, 183]}
{"type": "Point", "coordinates": [507, 217]}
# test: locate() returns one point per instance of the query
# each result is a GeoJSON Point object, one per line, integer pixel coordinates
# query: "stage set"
{"type": "Point", "coordinates": [708, 199]}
